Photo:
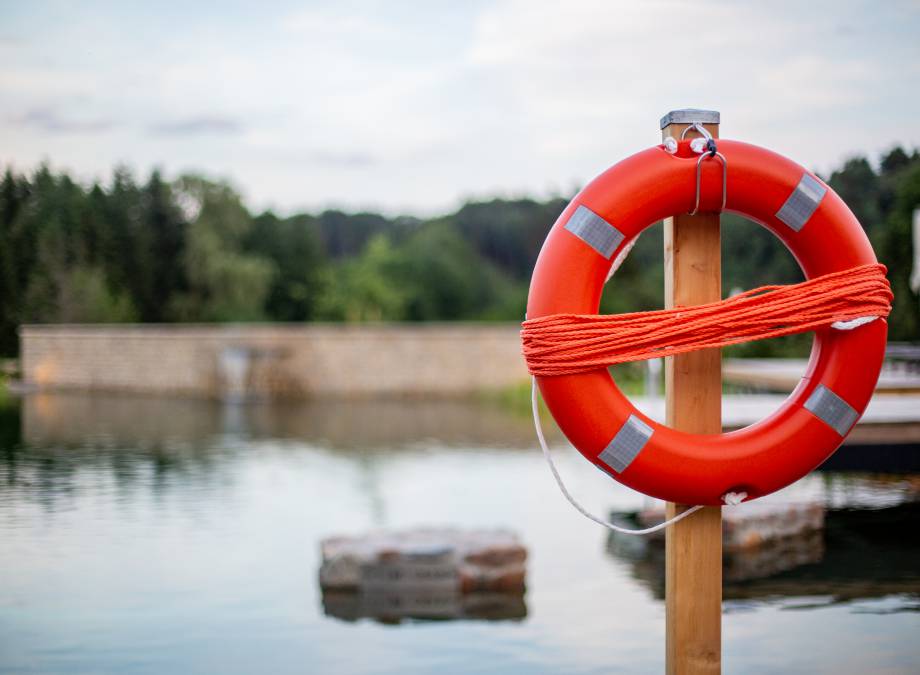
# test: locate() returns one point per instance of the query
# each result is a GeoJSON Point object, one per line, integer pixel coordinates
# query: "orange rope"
{"type": "Point", "coordinates": [566, 344]}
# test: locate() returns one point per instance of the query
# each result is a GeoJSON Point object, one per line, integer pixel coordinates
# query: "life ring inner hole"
{"type": "Point", "coordinates": [767, 385]}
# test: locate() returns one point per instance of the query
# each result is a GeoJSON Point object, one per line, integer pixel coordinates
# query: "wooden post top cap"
{"type": "Point", "coordinates": [689, 116]}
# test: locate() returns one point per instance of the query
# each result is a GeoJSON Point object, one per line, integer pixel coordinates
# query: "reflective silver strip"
{"type": "Point", "coordinates": [627, 443]}
{"type": "Point", "coordinates": [831, 409]}
{"type": "Point", "coordinates": [802, 203]}
{"type": "Point", "coordinates": [594, 231]}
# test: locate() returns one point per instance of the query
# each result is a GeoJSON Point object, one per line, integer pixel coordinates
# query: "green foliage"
{"type": "Point", "coordinates": [638, 284]}
{"type": "Point", "coordinates": [344, 236]}
{"type": "Point", "coordinates": [508, 233]}
{"type": "Point", "coordinates": [367, 288]}
{"type": "Point", "coordinates": [448, 279]}
{"type": "Point", "coordinates": [884, 205]}
{"type": "Point", "coordinates": [191, 251]}
{"type": "Point", "coordinates": [224, 283]}
{"type": "Point", "coordinates": [79, 295]}
{"type": "Point", "coordinates": [165, 276]}
{"type": "Point", "coordinates": [294, 246]}
{"type": "Point", "coordinates": [434, 274]}
{"type": "Point", "coordinates": [629, 377]}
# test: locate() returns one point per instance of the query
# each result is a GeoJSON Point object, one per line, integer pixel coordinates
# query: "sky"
{"type": "Point", "coordinates": [414, 107]}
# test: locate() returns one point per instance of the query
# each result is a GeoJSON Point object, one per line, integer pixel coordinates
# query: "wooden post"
{"type": "Point", "coordinates": [693, 386]}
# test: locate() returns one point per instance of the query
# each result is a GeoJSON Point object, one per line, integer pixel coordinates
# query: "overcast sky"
{"type": "Point", "coordinates": [414, 107]}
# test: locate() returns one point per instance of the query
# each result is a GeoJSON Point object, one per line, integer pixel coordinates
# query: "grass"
{"type": "Point", "coordinates": [7, 372]}
{"type": "Point", "coordinates": [630, 378]}
{"type": "Point", "coordinates": [5, 397]}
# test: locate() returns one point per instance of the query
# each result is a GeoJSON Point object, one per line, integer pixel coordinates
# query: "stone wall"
{"type": "Point", "coordinates": [278, 361]}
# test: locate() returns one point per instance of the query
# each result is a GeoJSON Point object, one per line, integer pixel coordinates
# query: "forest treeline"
{"type": "Point", "coordinates": [190, 251]}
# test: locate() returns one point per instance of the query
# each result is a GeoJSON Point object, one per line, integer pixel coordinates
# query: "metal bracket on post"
{"type": "Point", "coordinates": [691, 116]}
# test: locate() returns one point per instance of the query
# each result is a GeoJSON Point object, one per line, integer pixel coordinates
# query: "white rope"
{"type": "Point", "coordinates": [734, 498]}
{"type": "Point", "coordinates": [853, 323]}
{"type": "Point", "coordinates": [729, 498]}
{"type": "Point", "coordinates": [698, 145]}
{"type": "Point", "coordinates": [579, 507]}
{"type": "Point", "coordinates": [621, 257]}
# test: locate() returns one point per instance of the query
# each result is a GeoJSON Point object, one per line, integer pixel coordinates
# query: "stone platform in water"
{"type": "Point", "coordinates": [756, 524]}
{"type": "Point", "coordinates": [759, 539]}
{"type": "Point", "coordinates": [425, 573]}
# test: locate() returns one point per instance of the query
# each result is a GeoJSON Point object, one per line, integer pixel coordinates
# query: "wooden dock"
{"type": "Point", "coordinates": [891, 418]}
{"type": "Point", "coordinates": [784, 375]}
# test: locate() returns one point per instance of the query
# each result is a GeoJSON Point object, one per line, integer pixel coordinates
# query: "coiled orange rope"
{"type": "Point", "coordinates": [567, 344]}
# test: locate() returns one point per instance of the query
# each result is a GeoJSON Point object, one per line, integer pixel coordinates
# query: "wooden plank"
{"type": "Point", "coordinates": [693, 386]}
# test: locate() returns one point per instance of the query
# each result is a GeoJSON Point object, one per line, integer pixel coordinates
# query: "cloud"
{"type": "Point", "coordinates": [195, 126]}
{"type": "Point", "coordinates": [413, 106]}
{"type": "Point", "coordinates": [342, 159]}
{"type": "Point", "coordinates": [9, 40]}
{"type": "Point", "coordinates": [52, 121]}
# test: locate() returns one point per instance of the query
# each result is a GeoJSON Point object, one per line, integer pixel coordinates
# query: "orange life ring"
{"type": "Point", "coordinates": [823, 235]}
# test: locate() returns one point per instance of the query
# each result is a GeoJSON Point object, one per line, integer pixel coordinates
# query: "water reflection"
{"type": "Point", "coordinates": [859, 554]}
{"type": "Point", "coordinates": [64, 419]}
{"type": "Point", "coordinates": [138, 533]}
{"type": "Point", "coordinates": [393, 607]}
{"type": "Point", "coordinates": [166, 444]}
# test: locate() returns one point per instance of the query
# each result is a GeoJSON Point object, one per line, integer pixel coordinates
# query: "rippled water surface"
{"type": "Point", "coordinates": [149, 536]}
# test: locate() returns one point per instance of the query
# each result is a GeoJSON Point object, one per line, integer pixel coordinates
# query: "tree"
{"type": "Point", "coordinates": [162, 218]}
{"type": "Point", "coordinates": [293, 245]}
{"type": "Point", "coordinates": [224, 283]}
{"type": "Point", "coordinates": [508, 233]}
{"type": "Point", "coordinates": [448, 280]}
{"type": "Point", "coordinates": [14, 257]}
{"type": "Point", "coordinates": [884, 204]}
{"type": "Point", "coordinates": [366, 288]}
{"type": "Point", "coordinates": [190, 251]}
{"type": "Point", "coordinates": [895, 251]}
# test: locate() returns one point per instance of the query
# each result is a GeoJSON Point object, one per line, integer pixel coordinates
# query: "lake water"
{"type": "Point", "coordinates": [148, 536]}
